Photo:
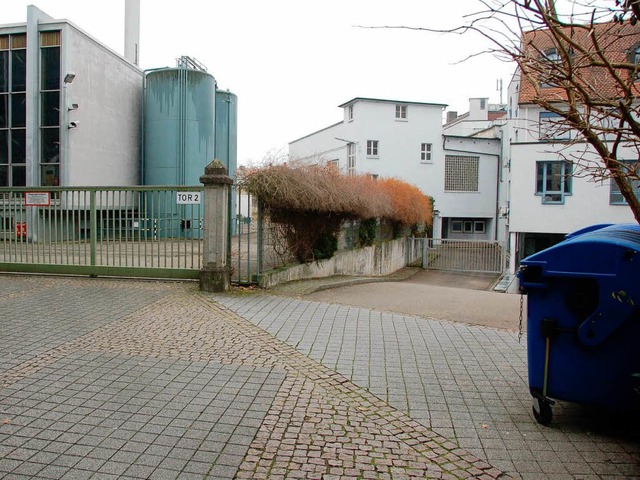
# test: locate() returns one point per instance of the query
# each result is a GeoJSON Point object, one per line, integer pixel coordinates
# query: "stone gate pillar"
{"type": "Point", "coordinates": [215, 275]}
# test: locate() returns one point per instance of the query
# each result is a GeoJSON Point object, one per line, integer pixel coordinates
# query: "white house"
{"type": "Point", "coordinates": [547, 197]}
{"type": "Point", "coordinates": [406, 140]}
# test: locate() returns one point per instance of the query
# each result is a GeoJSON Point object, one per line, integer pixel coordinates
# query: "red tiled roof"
{"type": "Point", "coordinates": [617, 41]}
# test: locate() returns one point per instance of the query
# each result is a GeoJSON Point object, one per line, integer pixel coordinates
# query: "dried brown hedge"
{"type": "Point", "coordinates": [312, 201]}
{"type": "Point", "coordinates": [323, 189]}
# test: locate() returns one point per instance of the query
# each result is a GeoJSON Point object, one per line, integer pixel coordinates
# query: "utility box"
{"type": "Point", "coordinates": [583, 319]}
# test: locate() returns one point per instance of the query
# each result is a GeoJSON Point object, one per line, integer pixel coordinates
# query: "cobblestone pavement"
{"type": "Point", "coordinates": [139, 379]}
{"type": "Point", "coordinates": [466, 383]}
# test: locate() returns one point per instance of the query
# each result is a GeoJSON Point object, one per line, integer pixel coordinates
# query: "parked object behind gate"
{"type": "Point", "coordinates": [583, 319]}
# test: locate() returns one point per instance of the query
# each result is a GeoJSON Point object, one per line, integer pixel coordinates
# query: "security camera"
{"type": "Point", "coordinates": [74, 124]}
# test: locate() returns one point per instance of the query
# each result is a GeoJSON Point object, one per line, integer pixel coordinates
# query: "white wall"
{"type": "Point", "coordinates": [399, 141]}
{"type": "Point", "coordinates": [105, 148]}
{"type": "Point", "coordinates": [587, 205]}
{"type": "Point", "coordinates": [399, 155]}
{"type": "Point", "coordinates": [321, 147]}
{"type": "Point", "coordinates": [480, 204]}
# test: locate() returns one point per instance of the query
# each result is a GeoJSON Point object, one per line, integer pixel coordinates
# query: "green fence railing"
{"type": "Point", "coordinates": [153, 231]}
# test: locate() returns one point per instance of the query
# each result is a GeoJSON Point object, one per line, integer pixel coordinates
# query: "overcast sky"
{"type": "Point", "coordinates": [292, 62]}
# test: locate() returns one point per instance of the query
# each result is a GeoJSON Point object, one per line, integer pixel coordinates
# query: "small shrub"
{"type": "Point", "coordinates": [367, 231]}
{"type": "Point", "coordinates": [325, 246]}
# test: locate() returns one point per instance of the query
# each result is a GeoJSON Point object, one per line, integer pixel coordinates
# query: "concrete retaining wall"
{"type": "Point", "coordinates": [377, 260]}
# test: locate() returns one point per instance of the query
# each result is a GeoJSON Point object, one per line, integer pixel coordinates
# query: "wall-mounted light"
{"type": "Point", "coordinates": [74, 124]}
{"type": "Point", "coordinates": [73, 106]}
{"type": "Point", "coordinates": [68, 78]}
{"type": "Point", "coordinates": [436, 213]}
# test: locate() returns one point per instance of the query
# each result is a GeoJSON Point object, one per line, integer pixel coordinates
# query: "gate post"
{"type": "Point", "coordinates": [425, 252]}
{"type": "Point", "coordinates": [215, 274]}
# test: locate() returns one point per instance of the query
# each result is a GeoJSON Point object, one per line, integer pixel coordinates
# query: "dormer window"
{"type": "Point", "coordinates": [553, 59]}
{"type": "Point", "coordinates": [401, 112]}
{"type": "Point", "coordinates": [552, 55]}
{"type": "Point", "coordinates": [634, 58]}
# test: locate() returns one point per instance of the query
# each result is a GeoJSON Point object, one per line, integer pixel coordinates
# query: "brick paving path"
{"type": "Point", "coordinates": [126, 379]}
{"type": "Point", "coordinates": [467, 383]}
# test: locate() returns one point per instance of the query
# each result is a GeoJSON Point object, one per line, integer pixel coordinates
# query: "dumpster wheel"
{"type": "Point", "coordinates": [542, 411]}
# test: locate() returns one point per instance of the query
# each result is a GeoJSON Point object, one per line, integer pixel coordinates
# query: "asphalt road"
{"type": "Point", "coordinates": [449, 296]}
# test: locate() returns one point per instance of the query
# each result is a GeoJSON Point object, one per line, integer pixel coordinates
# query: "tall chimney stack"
{"type": "Point", "coordinates": [132, 31]}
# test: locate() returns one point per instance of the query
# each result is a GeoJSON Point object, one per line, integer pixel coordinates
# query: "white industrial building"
{"type": "Point", "coordinates": [74, 113]}
{"type": "Point", "coordinates": [406, 140]}
{"type": "Point", "coordinates": [71, 108]}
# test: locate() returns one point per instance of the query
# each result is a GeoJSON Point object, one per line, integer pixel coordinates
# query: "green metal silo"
{"type": "Point", "coordinates": [179, 130]}
{"type": "Point", "coordinates": [226, 143]}
{"type": "Point", "coordinates": [179, 125]}
{"type": "Point", "coordinates": [227, 130]}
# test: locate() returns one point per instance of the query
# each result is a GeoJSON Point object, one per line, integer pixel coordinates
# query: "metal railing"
{"type": "Point", "coordinates": [129, 231]}
{"type": "Point", "coordinates": [465, 255]}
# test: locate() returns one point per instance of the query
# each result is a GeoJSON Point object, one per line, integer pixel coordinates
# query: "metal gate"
{"type": "Point", "coordinates": [244, 237]}
{"type": "Point", "coordinates": [257, 244]}
{"type": "Point", "coordinates": [120, 231]}
{"type": "Point", "coordinates": [465, 255]}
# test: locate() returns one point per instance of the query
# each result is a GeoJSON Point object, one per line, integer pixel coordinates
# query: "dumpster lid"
{"type": "Point", "coordinates": [592, 250]}
{"type": "Point", "coordinates": [590, 228]}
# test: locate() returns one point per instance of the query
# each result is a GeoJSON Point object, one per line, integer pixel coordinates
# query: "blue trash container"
{"type": "Point", "coordinates": [583, 319]}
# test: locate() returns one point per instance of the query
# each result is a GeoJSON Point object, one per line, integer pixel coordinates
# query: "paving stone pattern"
{"type": "Point", "coordinates": [41, 313]}
{"type": "Point", "coordinates": [127, 416]}
{"type": "Point", "coordinates": [466, 383]}
{"type": "Point", "coordinates": [156, 380]}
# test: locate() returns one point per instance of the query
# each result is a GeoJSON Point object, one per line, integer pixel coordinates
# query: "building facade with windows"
{"type": "Point", "coordinates": [548, 192]}
{"type": "Point", "coordinates": [71, 115]}
{"type": "Point", "coordinates": [70, 108]}
{"type": "Point", "coordinates": [406, 140]}
{"type": "Point", "coordinates": [510, 173]}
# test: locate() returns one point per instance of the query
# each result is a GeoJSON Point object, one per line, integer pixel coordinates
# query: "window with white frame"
{"type": "Point", "coordinates": [553, 127]}
{"type": "Point", "coordinates": [351, 158]}
{"type": "Point", "coordinates": [425, 152]}
{"type": "Point", "coordinates": [468, 225]}
{"type": "Point", "coordinates": [350, 112]}
{"type": "Point", "coordinates": [401, 112]}
{"type": "Point", "coordinates": [615, 195]}
{"type": "Point", "coordinates": [553, 181]}
{"type": "Point", "coordinates": [372, 148]}
{"type": "Point", "coordinates": [461, 173]}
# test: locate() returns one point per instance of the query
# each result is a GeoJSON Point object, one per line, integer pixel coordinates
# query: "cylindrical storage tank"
{"type": "Point", "coordinates": [226, 143]}
{"type": "Point", "coordinates": [227, 130]}
{"type": "Point", "coordinates": [179, 140]}
{"type": "Point", "coordinates": [179, 126]}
